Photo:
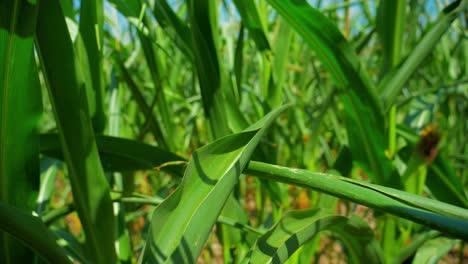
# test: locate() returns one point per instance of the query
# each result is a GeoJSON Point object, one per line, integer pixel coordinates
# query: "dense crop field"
{"type": "Point", "coordinates": [243, 131]}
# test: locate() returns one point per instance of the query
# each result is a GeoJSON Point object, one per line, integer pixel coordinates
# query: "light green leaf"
{"type": "Point", "coordinates": [182, 223]}
{"type": "Point", "coordinates": [298, 227]}
{"type": "Point", "coordinates": [433, 250]}
{"type": "Point", "coordinates": [431, 213]}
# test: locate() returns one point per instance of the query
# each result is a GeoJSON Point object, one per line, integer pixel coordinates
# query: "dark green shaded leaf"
{"type": "Point", "coordinates": [89, 185]}
{"type": "Point", "coordinates": [92, 32]}
{"type": "Point", "coordinates": [251, 20]}
{"type": "Point", "coordinates": [390, 27]}
{"type": "Point", "coordinates": [119, 154]}
{"type": "Point", "coordinates": [143, 105]}
{"type": "Point", "coordinates": [444, 183]}
{"type": "Point", "coordinates": [20, 109]}
{"type": "Point", "coordinates": [201, 18]}
{"type": "Point", "coordinates": [32, 232]}
{"type": "Point", "coordinates": [174, 26]}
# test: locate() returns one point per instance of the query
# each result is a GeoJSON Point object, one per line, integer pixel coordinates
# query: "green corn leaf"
{"type": "Point", "coordinates": [416, 208]}
{"type": "Point", "coordinates": [391, 18]}
{"type": "Point", "coordinates": [92, 33]}
{"type": "Point", "coordinates": [71, 245]}
{"type": "Point", "coordinates": [49, 170]}
{"type": "Point", "coordinates": [298, 227]}
{"type": "Point", "coordinates": [31, 231]}
{"type": "Point", "coordinates": [416, 243]}
{"type": "Point", "coordinates": [251, 20]}
{"type": "Point", "coordinates": [432, 213]}
{"type": "Point", "coordinates": [239, 62]}
{"type": "Point", "coordinates": [153, 61]}
{"type": "Point", "coordinates": [392, 85]}
{"type": "Point", "coordinates": [119, 154]}
{"type": "Point", "coordinates": [444, 183]}
{"type": "Point", "coordinates": [143, 105]}
{"type": "Point", "coordinates": [68, 97]}
{"type": "Point", "coordinates": [174, 26]}
{"type": "Point", "coordinates": [362, 108]}
{"type": "Point", "coordinates": [433, 250]}
{"type": "Point", "coordinates": [20, 109]}
{"type": "Point", "coordinates": [182, 223]}
{"type": "Point", "coordinates": [280, 60]}
{"type": "Point", "coordinates": [390, 26]}
{"type": "Point", "coordinates": [202, 20]}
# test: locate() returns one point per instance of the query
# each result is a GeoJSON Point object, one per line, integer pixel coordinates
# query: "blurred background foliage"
{"type": "Point", "coordinates": [379, 92]}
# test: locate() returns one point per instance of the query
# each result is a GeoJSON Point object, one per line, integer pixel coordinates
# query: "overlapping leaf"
{"type": "Point", "coordinates": [31, 231]}
{"type": "Point", "coordinates": [68, 97]}
{"type": "Point", "coordinates": [20, 109]}
{"type": "Point", "coordinates": [298, 227]}
{"type": "Point", "coordinates": [363, 110]}
{"type": "Point", "coordinates": [432, 213]}
{"type": "Point", "coordinates": [119, 154]}
{"type": "Point", "coordinates": [182, 223]}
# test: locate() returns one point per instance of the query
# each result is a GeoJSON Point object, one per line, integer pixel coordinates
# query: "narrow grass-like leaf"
{"type": "Point", "coordinates": [298, 227]}
{"type": "Point", "coordinates": [182, 223]}
{"type": "Point", "coordinates": [390, 26]}
{"type": "Point", "coordinates": [201, 13]}
{"type": "Point", "coordinates": [280, 60]}
{"type": "Point", "coordinates": [20, 109]}
{"type": "Point", "coordinates": [49, 168]}
{"type": "Point", "coordinates": [416, 243]}
{"type": "Point", "coordinates": [92, 32]}
{"type": "Point", "coordinates": [363, 111]}
{"type": "Point", "coordinates": [143, 105]}
{"type": "Point", "coordinates": [251, 20]}
{"type": "Point", "coordinates": [155, 69]}
{"type": "Point", "coordinates": [432, 213]}
{"type": "Point", "coordinates": [31, 231]}
{"type": "Point", "coordinates": [71, 245]}
{"type": "Point", "coordinates": [128, 8]}
{"type": "Point", "coordinates": [391, 86]}
{"type": "Point", "coordinates": [67, 95]}
{"type": "Point", "coordinates": [433, 250]}
{"type": "Point", "coordinates": [174, 26]}
{"type": "Point", "coordinates": [389, 200]}
{"type": "Point", "coordinates": [360, 240]}
{"type": "Point", "coordinates": [444, 184]}
{"type": "Point", "coordinates": [122, 245]}
{"type": "Point", "coordinates": [239, 62]}
{"type": "Point", "coordinates": [391, 18]}
{"type": "Point", "coordinates": [119, 154]}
